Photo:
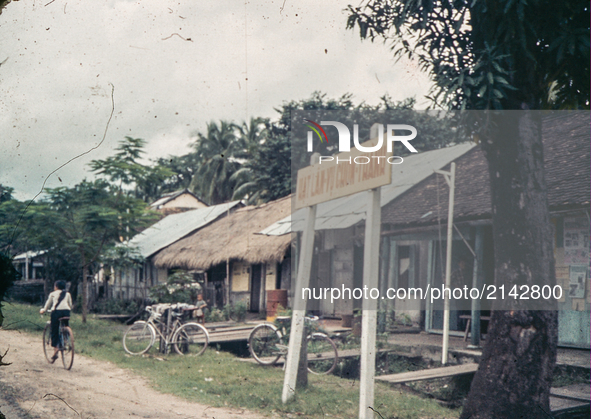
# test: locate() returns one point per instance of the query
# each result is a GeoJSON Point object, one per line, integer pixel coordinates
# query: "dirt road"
{"type": "Point", "coordinates": [32, 388]}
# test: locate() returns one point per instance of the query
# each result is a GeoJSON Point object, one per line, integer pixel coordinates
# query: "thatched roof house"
{"type": "Point", "coordinates": [234, 237]}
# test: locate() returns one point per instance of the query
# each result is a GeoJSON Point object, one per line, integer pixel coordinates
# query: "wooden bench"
{"type": "Point", "coordinates": [469, 318]}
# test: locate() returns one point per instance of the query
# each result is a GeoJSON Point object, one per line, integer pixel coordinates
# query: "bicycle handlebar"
{"type": "Point", "coordinates": [177, 309]}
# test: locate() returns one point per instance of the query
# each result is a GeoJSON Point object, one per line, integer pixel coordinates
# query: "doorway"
{"type": "Point", "coordinates": [255, 287]}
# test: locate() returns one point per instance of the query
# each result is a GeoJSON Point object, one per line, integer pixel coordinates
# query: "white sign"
{"type": "Point", "coordinates": [344, 174]}
{"type": "Point", "coordinates": [577, 280]}
{"type": "Point", "coordinates": [576, 241]}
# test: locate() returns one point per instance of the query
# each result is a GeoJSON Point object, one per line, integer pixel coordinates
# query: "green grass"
{"type": "Point", "coordinates": [220, 379]}
{"type": "Point", "coordinates": [565, 375]}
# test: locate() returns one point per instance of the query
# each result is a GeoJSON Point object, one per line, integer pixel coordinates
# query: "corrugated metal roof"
{"type": "Point", "coordinates": [175, 227]}
{"type": "Point", "coordinates": [279, 228]}
{"type": "Point", "coordinates": [349, 210]}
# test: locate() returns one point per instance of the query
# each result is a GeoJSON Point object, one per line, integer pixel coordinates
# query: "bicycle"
{"type": "Point", "coordinates": [267, 344]}
{"type": "Point", "coordinates": [65, 343]}
{"type": "Point", "coordinates": [187, 339]}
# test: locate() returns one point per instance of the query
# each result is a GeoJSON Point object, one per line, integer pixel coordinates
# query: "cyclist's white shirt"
{"type": "Point", "coordinates": [65, 304]}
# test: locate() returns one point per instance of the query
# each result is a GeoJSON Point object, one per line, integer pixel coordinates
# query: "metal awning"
{"type": "Point", "coordinates": [349, 210]}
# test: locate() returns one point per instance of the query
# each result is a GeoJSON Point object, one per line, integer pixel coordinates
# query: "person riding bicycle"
{"type": "Point", "coordinates": [59, 303]}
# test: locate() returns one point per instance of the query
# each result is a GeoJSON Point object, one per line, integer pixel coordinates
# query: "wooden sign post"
{"type": "Point", "coordinates": [450, 178]}
{"type": "Point", "coordinates": [334, 177]}
{"type": "Point", "coordinates": [299, 307]}
{"type": "Point", "coordinates": [371, 253]}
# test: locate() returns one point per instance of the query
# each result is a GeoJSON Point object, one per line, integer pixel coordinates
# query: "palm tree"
{"type": "Point", "coordinates": [252, 134]}
{"type": "Point", "coordinates": [221, 153]}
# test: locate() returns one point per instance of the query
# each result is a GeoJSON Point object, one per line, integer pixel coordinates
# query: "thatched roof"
{"type": "Point", "coordinates": [232, 237]}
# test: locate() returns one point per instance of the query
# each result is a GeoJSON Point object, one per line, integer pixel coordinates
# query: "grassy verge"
{"type": "Point", "coordinates": [220, 379]}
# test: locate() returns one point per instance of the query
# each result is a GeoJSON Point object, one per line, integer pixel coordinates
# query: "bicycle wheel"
{"type": "Point", "coordinates": [139, 338]}
{"type": "Point", "coordinates": [47, 348]}
{"type": "Point", "coordinates": [322, 354]}
{"type": "Point", "coordinates": [67, 347]}
{"type": "Point", "coordinates": [190, 339]}
{"type": "Point", "coordinates": [263, 344]}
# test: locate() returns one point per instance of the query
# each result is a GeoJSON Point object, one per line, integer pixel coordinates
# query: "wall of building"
{"type": "Point", "coordinates": [571, 253]}
{"type": "Point", "coordinates": [129, 283]}
{"type": "Point", "coordinates": [335, 269]}
{"type": "Point", "coordinates": [403, 264]}
{"type": "Point", "coordinates": [34, 270]}
{"type": "Point", "coordinates": [184, 201]}
{"type": "Point", "coordinates": [240, 282]}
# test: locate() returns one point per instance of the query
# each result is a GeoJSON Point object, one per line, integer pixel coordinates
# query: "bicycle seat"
{"type": "Point", "coordinates": [63, 318]}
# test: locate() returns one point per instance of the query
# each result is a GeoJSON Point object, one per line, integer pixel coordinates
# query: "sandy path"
{"type": "Point", "coordinates": [94, 389]}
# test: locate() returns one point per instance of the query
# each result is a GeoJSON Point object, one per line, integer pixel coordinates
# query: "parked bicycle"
{"type": "Point", "coordinates": [267, 343]}
{"type": "Point", "coordinates": [65, 343]}
{"type": "Point", "coordinates": [186, 339]}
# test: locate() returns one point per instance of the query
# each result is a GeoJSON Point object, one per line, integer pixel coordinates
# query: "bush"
{"type": "Point", "coordinates": [236, 312]}
{"type": "Point", "coordinates": [283, 312]}
{"type": "Point", "coordinates": [179, 288]}
{"type": "Point", "coordinates": [214, 315]}
{"type": "Point", "coordinates": [404, 319]}
{"type": "Point", "coordinates": [117, 306]}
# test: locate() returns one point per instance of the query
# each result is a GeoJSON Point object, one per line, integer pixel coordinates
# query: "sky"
{"type": "Point", "coordinates": [169, 67]}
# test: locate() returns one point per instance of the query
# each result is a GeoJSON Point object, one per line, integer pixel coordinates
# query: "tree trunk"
{"type": "Point", "coordinates": [49, 278]}
{"type": "Point", "coordinates": [84, 286]}
{"type": "Point", "coordinates": [515, 372]}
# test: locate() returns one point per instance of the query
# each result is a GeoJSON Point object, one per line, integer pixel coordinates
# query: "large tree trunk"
{"type": "Point", "coordinates": [515, 372]}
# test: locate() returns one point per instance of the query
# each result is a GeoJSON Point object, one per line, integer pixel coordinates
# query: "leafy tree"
{"type": "Point", "coordinates": [184, 170]}
{"type": "Point", "coordinates": [282, 153]}
{"type": "Point", "coordinates": [502, 54]}
{"type": "Point", "coordinates": [12, 238]}
{"type": "Point", "coordinates": [3, 4]}
{"type": "Point", "coordinates": [154, 183]}
{"type": "Point", "coordinates": [269, 170]}
{"type": "Point", "coordinates": [180, 287]}
{"type": "Point", "coordinates": [5, 193]}
{"type": "Point", "coordinates": [23, 227]}
{"type": "Point", "coordinates": [122, 256]}
{"type": "Point", "coordinates": [125, 170]}
{"type": "Point", "coordinates": [7, 277]}
{"type": "Point", "coordinates": [88, 218]}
